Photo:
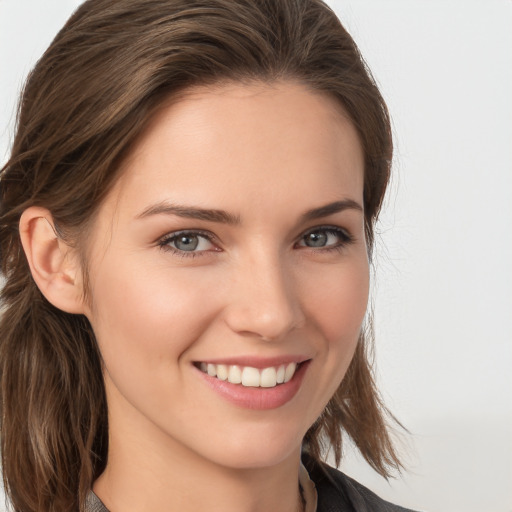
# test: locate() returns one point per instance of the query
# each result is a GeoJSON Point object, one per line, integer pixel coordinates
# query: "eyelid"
{"type": "Point", "coordinates": [326, 227]}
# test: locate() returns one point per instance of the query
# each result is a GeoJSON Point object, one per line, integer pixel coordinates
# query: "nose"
{"type": "Point", "coordinates": [264, 301]}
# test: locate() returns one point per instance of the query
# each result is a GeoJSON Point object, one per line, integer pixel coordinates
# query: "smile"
{"type": "Point", "coordinates": [250, 377]}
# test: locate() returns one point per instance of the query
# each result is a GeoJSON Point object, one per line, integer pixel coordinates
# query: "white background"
{"type": "Point", "coordinates": [443, 295]}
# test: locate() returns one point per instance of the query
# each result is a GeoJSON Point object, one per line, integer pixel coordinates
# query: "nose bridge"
{"type": "Point", "coordinates": [265, 301]}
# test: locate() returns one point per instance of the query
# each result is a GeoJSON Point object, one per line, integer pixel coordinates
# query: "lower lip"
{"type": "Point", "coordinates": [257, 398]}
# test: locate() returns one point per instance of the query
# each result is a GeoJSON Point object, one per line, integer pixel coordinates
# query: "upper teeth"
{"type": "Point", "coordinates": [249, 376]}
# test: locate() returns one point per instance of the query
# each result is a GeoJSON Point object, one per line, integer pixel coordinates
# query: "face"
{"type": "Point", "coordinates": [231, 249]}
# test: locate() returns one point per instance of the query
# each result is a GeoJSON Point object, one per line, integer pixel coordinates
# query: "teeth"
{"type": "Point", "coordinates": [290, 370]}
{"type": "Point", "coordinates": [268, 378]}
{"type": "Point", "coordinates": [249, 376]}
{"type": "Point", "coordinates": [280, 374]}
{"type": "Point", "coordinates": [222, 372]}
{"type": "Point", "coordinates": [235, 375]}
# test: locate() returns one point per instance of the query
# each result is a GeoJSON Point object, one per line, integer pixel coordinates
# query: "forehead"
{"type": "Point", "coordinates": [245, 144]}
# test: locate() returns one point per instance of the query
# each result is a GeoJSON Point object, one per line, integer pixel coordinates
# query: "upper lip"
{"type": "Point", "coordinates": [256, 361]}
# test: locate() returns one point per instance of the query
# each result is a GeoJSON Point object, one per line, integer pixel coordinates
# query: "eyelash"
{"type": "Point", "coordinates": [344, 237]}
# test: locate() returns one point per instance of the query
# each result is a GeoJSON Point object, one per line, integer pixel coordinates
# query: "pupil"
{"type": "Point", "coordinates": [316, 239]}
{"type": "Point", "coordinates": [187, 243]}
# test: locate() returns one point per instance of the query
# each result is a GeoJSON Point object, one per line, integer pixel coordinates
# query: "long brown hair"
{"type": "Point", "coordinates": [89, 97]}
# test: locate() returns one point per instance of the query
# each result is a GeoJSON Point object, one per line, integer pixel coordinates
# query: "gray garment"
{"type": "Point", "coordinates": [338, 492]}
{"type": "Point", "coordinates": [94, 504]}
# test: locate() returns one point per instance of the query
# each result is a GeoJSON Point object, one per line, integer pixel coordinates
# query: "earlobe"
{"type": "Point", "coordinates": [53, 263]}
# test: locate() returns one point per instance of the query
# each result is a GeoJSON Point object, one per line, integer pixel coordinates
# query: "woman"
{"type": "Point", "coordinates": [186, 227]}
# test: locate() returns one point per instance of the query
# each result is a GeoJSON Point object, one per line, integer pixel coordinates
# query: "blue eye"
{"type": "Point", "coordinates": [185, 242]}
{"type": "Point", "coordinates": [325, 237]}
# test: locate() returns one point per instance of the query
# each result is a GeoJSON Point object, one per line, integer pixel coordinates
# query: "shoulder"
{"type": "Point", "coordinates": [338, 492]}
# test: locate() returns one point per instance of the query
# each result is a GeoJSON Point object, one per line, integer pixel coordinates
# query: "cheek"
{"type": "Point", "coordinates": [152, 313]}
{"type": "Point", "coordinates": [337, 302]}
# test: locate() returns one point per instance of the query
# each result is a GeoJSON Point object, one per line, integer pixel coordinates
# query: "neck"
{"type": "Point", "coordinates": [155, 473]}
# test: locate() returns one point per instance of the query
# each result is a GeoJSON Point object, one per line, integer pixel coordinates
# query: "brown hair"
{"type": "Point", "coordinates": [84, 104]}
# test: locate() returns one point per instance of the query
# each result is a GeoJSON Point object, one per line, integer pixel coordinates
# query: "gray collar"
{"type": "Point", "coordinates": [94, 504]}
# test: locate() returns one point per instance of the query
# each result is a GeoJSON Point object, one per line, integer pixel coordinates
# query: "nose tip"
{"type": "Point", "coordinates": [252, 320]}
{"type": "Point", "coordinates": [265, 306]}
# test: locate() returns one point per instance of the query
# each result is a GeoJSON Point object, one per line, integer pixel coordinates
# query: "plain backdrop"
{"type": "Point", "coordinates": [443, 280]}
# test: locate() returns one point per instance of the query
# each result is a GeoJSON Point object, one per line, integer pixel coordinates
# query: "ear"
{"type": "Point", "coordinates": [53, 263]}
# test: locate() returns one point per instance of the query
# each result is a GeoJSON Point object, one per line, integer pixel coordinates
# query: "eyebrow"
{"type": "Point", "coordinates": [223, 217]}
{"type": "Point", "coordinates": [330, 209]}
{"type": "Point", "coordinates": [190, 212]}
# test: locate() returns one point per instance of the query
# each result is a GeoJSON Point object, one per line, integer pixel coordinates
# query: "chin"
{"type": "Point", "coordinates": [258, 458]}
{"type": "Point", "coordinates": [253, 450]}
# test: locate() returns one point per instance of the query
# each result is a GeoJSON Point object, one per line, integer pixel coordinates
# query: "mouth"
{"type": "Point", "coordinates": [248, 376]}
{"type": "Point", "coordinates": [255, 383]}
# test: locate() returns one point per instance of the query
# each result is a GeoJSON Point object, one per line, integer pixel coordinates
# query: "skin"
{"type": "Point", "coordinates": [265, 154]}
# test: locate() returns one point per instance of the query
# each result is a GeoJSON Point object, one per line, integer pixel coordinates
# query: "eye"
{"type": "Point", "coordinates": [184, 242]}
{"type": "Point", "coordinates": [328, 237]}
